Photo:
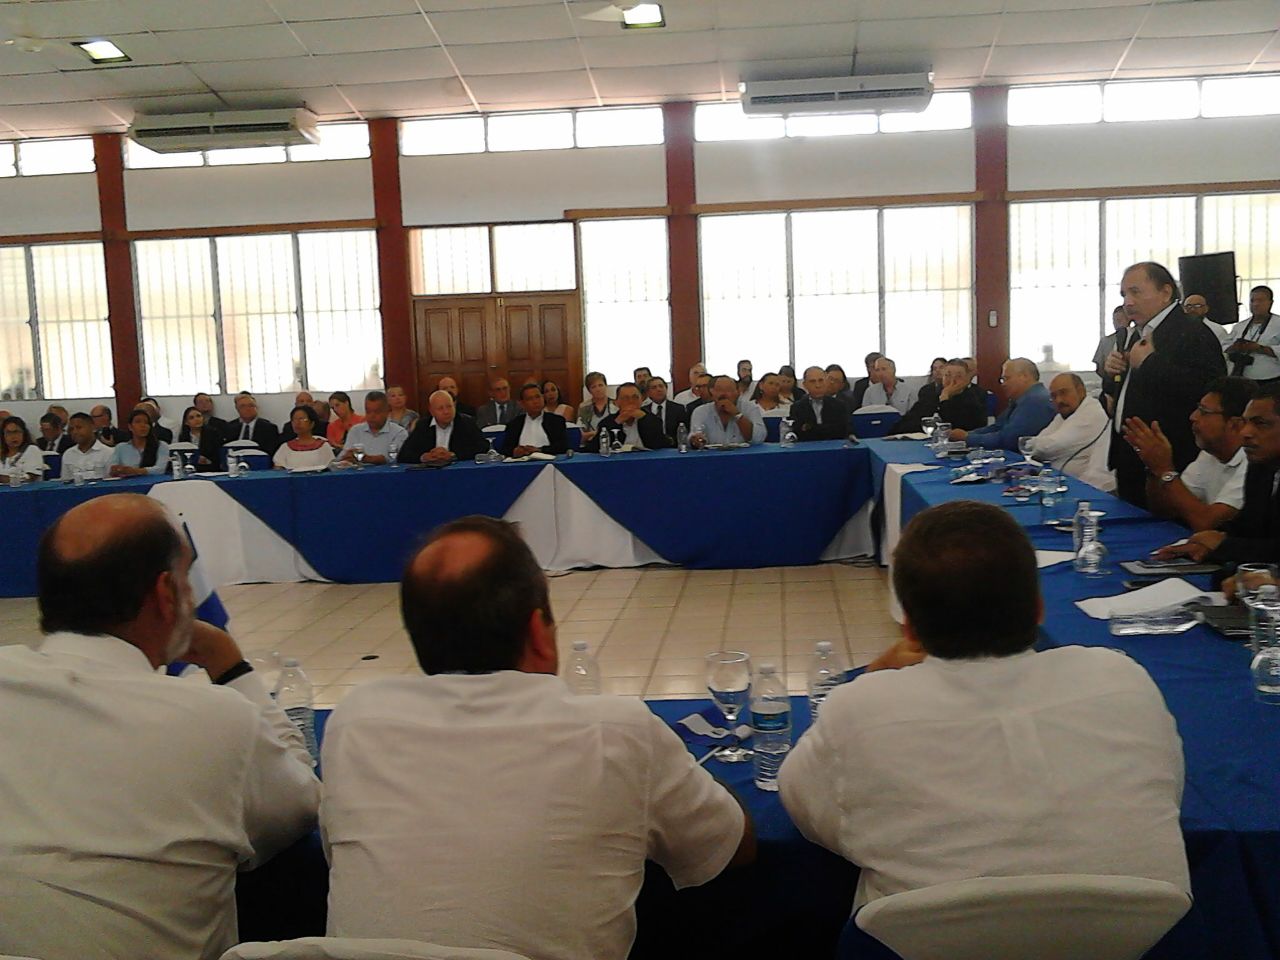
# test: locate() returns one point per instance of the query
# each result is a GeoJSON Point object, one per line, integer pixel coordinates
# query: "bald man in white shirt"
{"type": "Point", "coordinates": [132, 798]}
{"type": "Point", "coordinates": [1076, 440]}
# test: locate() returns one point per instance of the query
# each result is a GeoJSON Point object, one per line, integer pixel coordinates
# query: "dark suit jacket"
{"type": "Point", "coordinates": [835, 419]}
{"type": "Point", "coordinates": [1167, 388]}
{"type": "Point", "coordinates": [264, 434]}
{"type": "Point", "coordinates": [673, 414]}
{"type": "Point", "coordinates": [63, 443]}
{"type": "Point", "coordinates": [650, 430]}
{"type": "Point", "coordinates": [465, 441]}
{"type": "Point", "coordinates": [967, 410]}
{"type": "Point", "coordinates": [465, 408]}
{"type": "Point", "coordinates": [210, 448]}
{"type": "Point", "coordinates": [860, 390]}
{"type": "Point", "coordinates": [552, 425]}
{"type": "Point", "coordinates": [1253, 535]}
{"type": "Point", "coordinates": [487, 414]}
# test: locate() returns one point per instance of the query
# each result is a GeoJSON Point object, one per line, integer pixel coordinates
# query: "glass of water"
{"type": "Point", "coordinates": [358, 450]}
{"type": "Point", "coordinates": [1024, 446]}
{"type": "Point", "coordinates": [1264, 615]}
{"type": "Point", "coordinates": [393, 451]}
{"type": "Point", "coordinates": [729, 683]}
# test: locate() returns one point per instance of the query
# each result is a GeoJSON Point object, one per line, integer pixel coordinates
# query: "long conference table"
{"type": "Point", "coordinates": [796, 899]}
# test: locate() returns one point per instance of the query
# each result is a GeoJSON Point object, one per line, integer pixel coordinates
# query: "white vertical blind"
{"type": "Point", "coordinates": [71, 297]}
{"type": "Point", "coordinates": [1147, 228]}
{"type": "Point", "coordinates": [17, 358]}
{"type": "Point", "coordinates": [341, 320]}
{"type": "Point", "coordinates": [744, 291]}
{"type": "Point", "coordinates": [625, 282]}
{"type": "Point", "coordinates": [449, 260]}
{"type": "Point", "coordinates": [835, 277]}
{"type": "Point", "coordinates": [258, 291]}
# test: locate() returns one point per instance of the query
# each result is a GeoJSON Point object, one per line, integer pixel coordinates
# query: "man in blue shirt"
{"type": "Point", "coordinates": [1029, 411]}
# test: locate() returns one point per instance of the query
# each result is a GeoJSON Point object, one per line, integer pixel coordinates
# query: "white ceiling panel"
{"type": "Point", "coordinates": [387, 66]}
{"type": "Point", "coordinates": [43, 88]}
{"type": "Point", "coordinates": [774, 13]}
{"type": "Point", "coordinates": [541, 22]}
{"type": "Point", "coordinates": [140, 81]}
{"type": "Point", "coordinates": [532, 56]}
{"type": "Point", "coordinates": [519, 88]}
{"type": "Point", "coordinates": [1070, 26]}
{"type": "Point", "coordinates": [202, 14]}
{"type": "Point", "coordinates": [1061, 60]}
{"type": "Point", "coordinates": [649, 48]}
{"type": "Point", "coordinates": [911, 9]}
{"type": "Point", "coordinates": [449, 6]}
{"type": "Point", "coordinates": [411, 97]}
{"type": "Point", "coordinates": [927, 34]}
{"type": "Point", "coordinates": [702, 80]}
{"type": "Point", "coordinates": [74, 19]}
{"type": "Point", "coordinates": [782, 43]}
{"type": "Point", "coordinates": [47, 119]}
{"type": "Point", "coordinates": [183, 103]}
{"type": "Point", "coordinates": [1035, 6]}
{"type": "Point", "coordinates": [290, 72]}
{"type": "Point", "coordinates": [784, 69]}
{"type": "Point", "coordinates": [230, 43]}
{"type": "Point", "coordinates": [1194, 53]}
{"type": "Point", "coordinates": [365, 34]}
{"type": "Point", "coordinates": [1208, 19]}
{"type": "Point", "coordinates": [324, 102]}
{"type": "Point", "coordinates": [299, 10]}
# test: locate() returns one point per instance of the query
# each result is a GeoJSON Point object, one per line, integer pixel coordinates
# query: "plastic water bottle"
{"type": "Point", "coordinates": [682, 438]}
{"type": "Point", "coordinates": [1091, 558]}
{"type": "Point", "coordinates": [15, 475]}
{"type": "Point", "coordinates": [825, 674]}
{"type": "Point", "coordinates": [393, 451]}
{"type": "Point", "coordinates": [770, 726]}
{"type": "Point", "coordinates": [296, 697]}
{"type": "Point", "coordinates": [1264, 617]}
{"type": "Point", "coordinates": [787, 432]}
{"type": "Point", "coordinates": [1077, 524]}
{"type": "Point", "coordinates": [175, 466]}
{"type": "Point", "coordinates": [606, 442]}
{"type": "Point", "coordinates": [233, 464]}
{"type": "Point", "coordinates": [582, 673]}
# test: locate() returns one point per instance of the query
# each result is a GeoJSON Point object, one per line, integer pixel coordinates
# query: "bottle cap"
{"type": "Point", "coordinates": [767, 669]}
{"type": "Point", "coordinates": [289, 662]}
{"type": "Point", "coordinates": [824, 646]}
{"type": "Point", "coordinates": [579, 646]}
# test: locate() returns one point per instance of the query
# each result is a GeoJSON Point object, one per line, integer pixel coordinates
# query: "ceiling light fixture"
{"type": "Point", "coordinates": [643, 16]}
{"type": "Point", "coordinates": [102, 51]}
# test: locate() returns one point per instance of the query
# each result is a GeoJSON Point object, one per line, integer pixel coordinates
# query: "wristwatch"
{"type": "Point", "coordinates": [1169, 477]}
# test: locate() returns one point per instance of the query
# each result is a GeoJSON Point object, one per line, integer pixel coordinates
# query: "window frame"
{"type": "Point", "coordinates": [494, 290]}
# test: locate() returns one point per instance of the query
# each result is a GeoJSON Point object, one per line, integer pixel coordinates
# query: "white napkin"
{"type": "Point", "coordinates": [536, 455]}
{"type": "Point", "coordinates": [321, 468]}
{"type": "Point", "coordinates": [1047, 558]}
{"type": "Point", "coordinates": [696, 723]}
{"type": "Point", "coordinates": [908, 436]}
{"type": "Point", "coordinates": [1158, 596]}
{"type": "Point", "coordinates": [970, 478]}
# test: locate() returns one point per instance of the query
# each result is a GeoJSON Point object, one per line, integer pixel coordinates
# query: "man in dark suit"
{"type": "Point", "coordinates": [818, 416]}
{"type": "Point", "coordinates": [249, 426]}
{"type": "Point", "coordinates": [668, 413]}
{"type": "Point", "coordinates": [860, 385]}
{"type": "Point", "coordinates": [52, 436]}
{"type": "Point", "coordinates": [443, 436]}
{"type": "Point", "coordinates": [957, 402]}
{"type": "Point", "coordinates": [204, 403]}
{"type": "Point", "coordinates": [535, 430]}
{"type": "Point", "coordinates": [1163, 376]}
{"type": "Point", "coordinates": [631, 422]}
{"type": "Point", "coordinates": [1253, 534]}
{"type": "Point", "coordinates": [160, 430]}
{"type": "Point", "coordinates": [450, 386]}
{"type": "Point", "coordinates": [500, 409]}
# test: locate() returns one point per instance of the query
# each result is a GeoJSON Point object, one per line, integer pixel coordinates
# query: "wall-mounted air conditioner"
{"type": "Point", "coordinates": [897, 92]}
{"type": "Point", "coordinates": [174, 133]}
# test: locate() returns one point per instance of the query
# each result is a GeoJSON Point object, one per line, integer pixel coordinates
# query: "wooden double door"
{"type": "Point", "coordinates": [479, 339]}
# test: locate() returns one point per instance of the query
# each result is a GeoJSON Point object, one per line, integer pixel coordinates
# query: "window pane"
{"type": "Point", "coordinates": [616, 128]}
{"type": "Point", "coordinates": [1151, 228]}
{"type": "Point", "coordinates": [726, 121]}
{"type": "Point", "coordinates": [1053, 280]}
{"type": "Point", "coordinates": [531, 131]}
{"type": "Point", "coordinates": [625, 287]}
{"type": "Point", "coordinates": [71, 300]}
{"type": "Point", "coordinates": [535, 256]}
{"type": "Point", "coordinates": [338, 141]}
{"type": "Point", "coordinates": [176, 315]}
{"type": "Point", "coordinates": [835, 279]}
{"type": "Point", "coordinates": [928, 285]}
{"type": "Point", "coordinates": [138, 157]}
{"type": "Point", "coordinates": [340, 301]}
{"type": "Point", "coordinates": [8, 160]}
{"type": "Point", "coordinates": [234, 156]}
{"type": "Point", "coordinates": [17, 360]}
{"type": "Point", "coordinates": [1151, 100]}
{"type": "Point", "coordinates": [258, 292]}
{"type": "Point", "coordinates": [1249, 224]}
{"type": "Point", "coordinates": [951, 110]}
{"type": "Point", "coordinates": [1239, 96]}
{"type": "Point", "coordinates": [444, 135]}
{"type": "Point", "coordinates": [744, 291]}
{"type": "Point", "coordinates": [1034, 106]}
{"type": "Point", "coordinates": [68, 155]}
{"type": "Point", "coordinates": [449, 260]}
{"type": "Point", "coordinates": [836, 125]}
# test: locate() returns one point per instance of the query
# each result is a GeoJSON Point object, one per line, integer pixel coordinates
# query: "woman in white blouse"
{"type": "Point", "coordinates": [144, 454]}
{"type": "Point", "coordinates": [768, 396]}
{"type": "Point", "coordinates": [19, 451]}
{"type": "Point", "coordinates": [305, 449]}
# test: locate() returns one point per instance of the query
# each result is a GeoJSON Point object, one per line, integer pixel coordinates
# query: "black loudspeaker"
{"type": "Point", "coordinates": [1213, 276]}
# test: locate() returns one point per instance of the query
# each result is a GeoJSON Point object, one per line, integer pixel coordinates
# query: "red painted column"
{"type": "Point", "coordinates": [122, 316]}
{"type": "Point", "coordinates": [399, 364]}
{"type": "Point", "coordinates": [991, 232]}
{"type": "Point", "coordinates": [682, 243]}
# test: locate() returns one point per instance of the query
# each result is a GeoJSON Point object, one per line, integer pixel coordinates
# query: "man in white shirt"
{"type": "Point", "coordinates": [89, 455]}
{"type": "Point", "coordinates": [987, 759]}
{"type": "Point", "coordinates": [132, 798]}
{"type": "Point", "coordinates": [1076, 440]}
{"type": "Point", "coordinates": [686, 397]}
{"type": "Point", "coordinates": [537, 430]}
{"type": "Point", "coordinates": [1194, 305]}
{"type": "Point", "coordinates": [728, 418]}
{"type": "Point", "coordinates": [1256, 341]}
{"type": "Point", "coordinates": [1210, 491]}
{"type": "Point", "coordinates": [888, 390]}
{"type": "Point", "coordinates": [484, 804]}
{"type": "Point", "coordinates": [377, 434]}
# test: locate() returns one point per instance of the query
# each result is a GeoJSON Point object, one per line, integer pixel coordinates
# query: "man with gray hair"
{"type": "Point", "coordinates": [443, 436]}
{"type": "Point", "coordinates": [377, 434]}
{"type": "Point", "coordinates": [1029, 410]}
{"type": "Point", "coordinates": [686, 397]}
{"type": "Point", "coordinates": [888, 390]}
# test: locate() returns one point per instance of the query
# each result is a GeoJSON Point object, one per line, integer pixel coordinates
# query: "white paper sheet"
{"type": "Point", "coordinates": [1158, 596]}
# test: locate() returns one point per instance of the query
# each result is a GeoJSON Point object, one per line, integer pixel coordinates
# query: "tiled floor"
{"type": "Point", "coordinates": [649, 628]}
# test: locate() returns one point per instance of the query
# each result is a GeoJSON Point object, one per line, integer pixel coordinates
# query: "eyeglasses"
{"type": "Point", "coordinates": [1206, 412]}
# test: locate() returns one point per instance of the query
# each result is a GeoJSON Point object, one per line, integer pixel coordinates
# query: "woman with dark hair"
{"type": "Point", "coordinates": [142, 454]}
{"type": "Point", "coordinates": [551, 401]}
{"type": "Point", "coordinates": [19, 452]}
{"type": "Point", "coordinates": [305, 449]}
{"type": "Point", "coordinates": [344, 418]}
{"type": "Point", "coordinates": [790, 391]}
{"type": "Point", "coordinates": [838, 384]}
{"type": "Point", "coordinates": [768, 396]}
{"type": "Point", "coordinates": [207, 439]}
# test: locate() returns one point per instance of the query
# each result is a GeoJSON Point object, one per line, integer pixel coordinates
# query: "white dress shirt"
{"type": "Point", "coordinates": [500, 810]}
{"type": "Point", "coordinates": [1213, 481]}
{"type": "Point", "coordinates": [130, 799]}
{"type": "Point", "coordinates": [95, 464]}
{"type": "Point", "coordinates": [243, 429]}
{"type": "Point", "coordinates": [1145, 332]}
{"type": "Point", "coordinates": [30, 461]}
{"type": "Point", "coordinates": [904, 396]}
{"type": "Point", "coordinates": [1079, 444]}
{"type": "Point", "coordinates": [706, 421]}
{"type": "Point", "coordinates": [532, 434]}
{"type": "Point", "coordinates": [1065, 761]}
{"type": "Point", "coordinates": [375, 444]}
{"type": "Point", "coordinates": [1263, 366]}
{"type": "Point", "coordinates": [685, 397]}
{"type": "Point", "coordinates": [443, 434]}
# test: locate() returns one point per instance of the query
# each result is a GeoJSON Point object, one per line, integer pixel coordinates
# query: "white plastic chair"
{"type": "Point", "coordinates": [1051, 917]}
{"type": "Point", "coordinates": [352, 948]}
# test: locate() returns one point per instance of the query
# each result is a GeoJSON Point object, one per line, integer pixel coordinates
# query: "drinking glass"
{"type": "Point", "coordinates": [941, 436]}
{"type": "Point", "coordinates": [393, 451]}
{"type": "Point", "coordinates": [729, 683]}
{"type": "Point", "coordinates": [1024, 446]}
{"type": "Point", "coordinates": [358, 450]}
{"type": "Point", "coordinates": [1251, 576]}
{"type": "Point", "coordinates": [928, 425]}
